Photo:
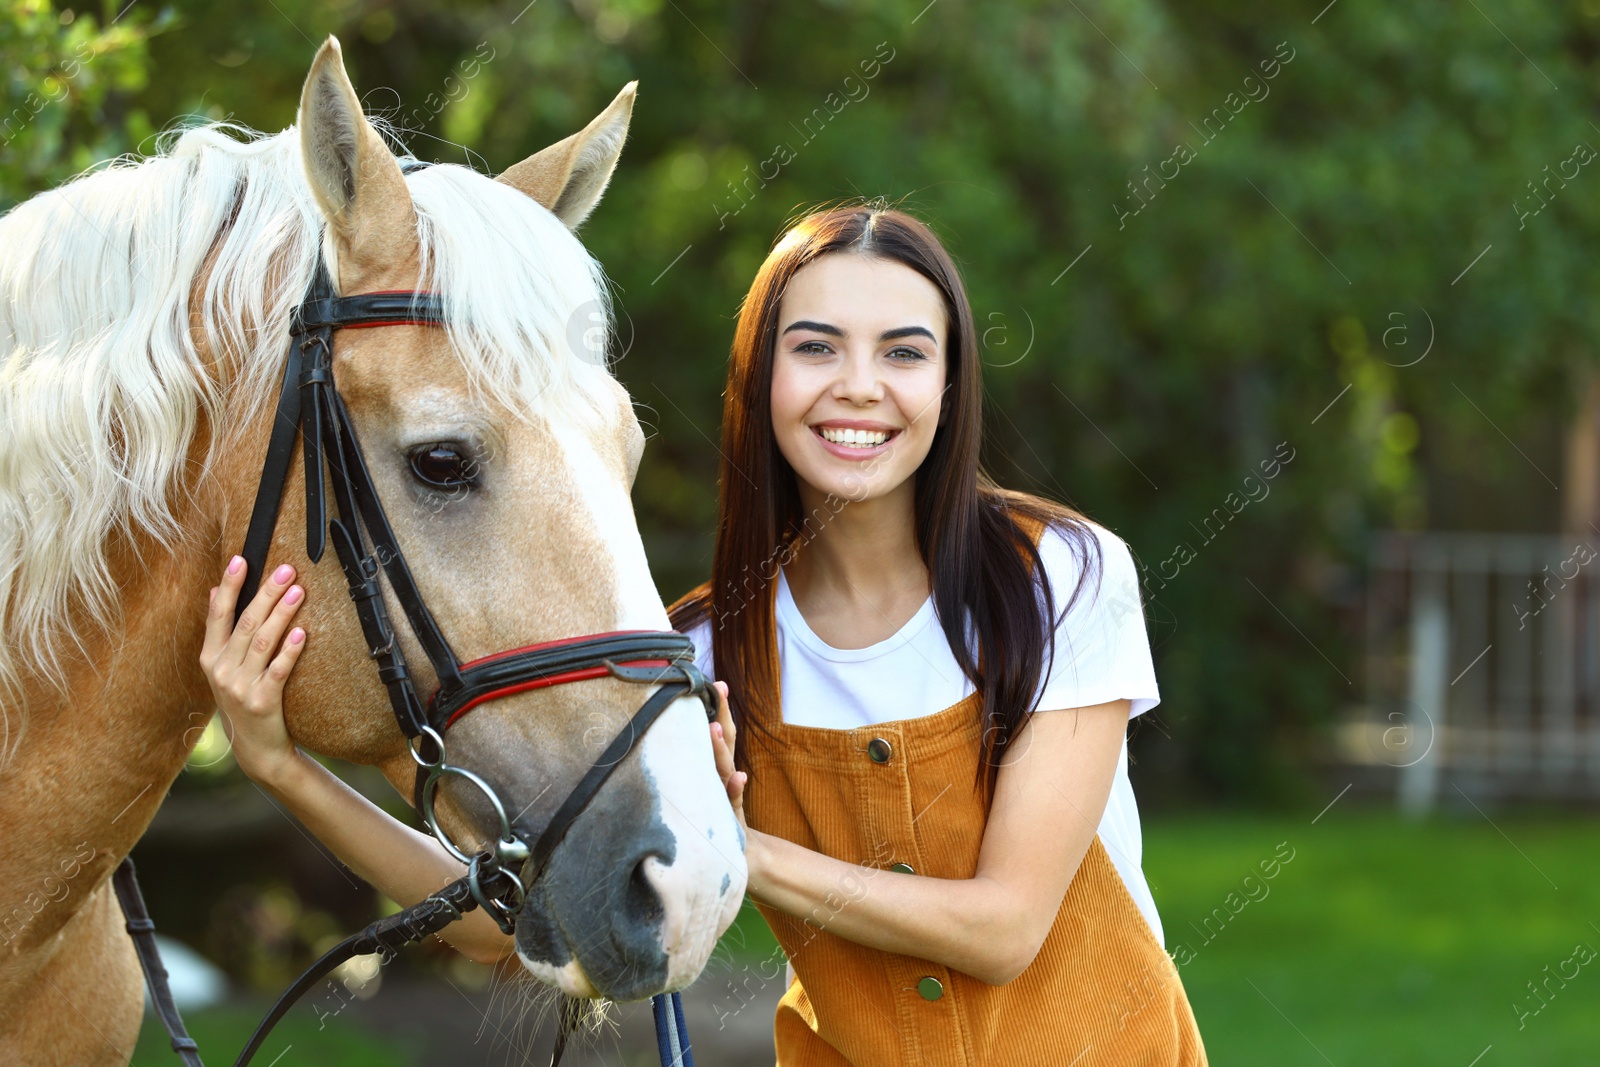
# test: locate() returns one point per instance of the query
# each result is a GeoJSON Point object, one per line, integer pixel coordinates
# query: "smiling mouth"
{"type": "Point", "coordinates": [849, 438]}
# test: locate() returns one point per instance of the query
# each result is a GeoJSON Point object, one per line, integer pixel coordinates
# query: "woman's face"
{"type": "Point", "coordinates": [858, 374]}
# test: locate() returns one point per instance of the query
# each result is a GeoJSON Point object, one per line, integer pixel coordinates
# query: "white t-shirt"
{"type": "Point", "coordinates": [1101, 654]}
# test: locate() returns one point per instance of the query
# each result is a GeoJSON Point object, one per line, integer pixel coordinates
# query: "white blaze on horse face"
{"type": "Point", "coordinates": [702, 889]}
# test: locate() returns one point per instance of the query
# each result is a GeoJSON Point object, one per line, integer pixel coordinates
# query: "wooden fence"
{"type": "Point", "coordinates": [1483, 670]}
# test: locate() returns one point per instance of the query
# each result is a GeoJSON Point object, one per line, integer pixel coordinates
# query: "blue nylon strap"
{"type": "Point", "coordinates": [683, 1029]}
{"type": "Point", "coordinates": [658, 1007]}
{"type": "Point", "coordinates": [672, 1043]}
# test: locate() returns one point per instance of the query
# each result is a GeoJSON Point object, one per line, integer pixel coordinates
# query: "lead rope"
{"type": "Point", "coordinates": [386, 936]}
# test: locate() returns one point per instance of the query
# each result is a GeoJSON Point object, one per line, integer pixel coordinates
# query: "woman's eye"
{"type": "Point", "coordinates": [443, 467]}
{"type": "Point", "coordinates": [812, 348]}
{"type": "Point", "coordinates": [911, 355]}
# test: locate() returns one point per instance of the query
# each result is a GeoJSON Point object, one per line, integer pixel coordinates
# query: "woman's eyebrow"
{"type": "Point", "coordinates": [886, 335]}
{"type": "Point", "coordinates": [814, 327]}
{"type": "Point", "coordinates": [908, 331]}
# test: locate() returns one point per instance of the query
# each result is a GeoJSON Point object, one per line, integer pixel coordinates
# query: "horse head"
{"type": "Point", "coordinates": [503, 452]}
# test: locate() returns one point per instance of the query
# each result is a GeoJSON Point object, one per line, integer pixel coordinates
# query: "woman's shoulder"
{"type": "Point", "coordinates": [1083, 544]}
{"type": "Point", "coordinates": [1061, 534]}
{"type": "Point", "coordinates": [1087, 554]}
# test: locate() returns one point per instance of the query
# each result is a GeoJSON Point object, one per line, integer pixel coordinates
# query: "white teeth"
{"type": "Point", "coordinates": [854, 438]}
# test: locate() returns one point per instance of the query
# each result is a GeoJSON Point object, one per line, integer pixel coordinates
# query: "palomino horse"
{"type": "Point", "coordinates": [143, 318]}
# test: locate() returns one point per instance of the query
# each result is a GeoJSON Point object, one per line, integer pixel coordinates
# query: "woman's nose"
{"type": "Point", "coordinates": [858, 381]}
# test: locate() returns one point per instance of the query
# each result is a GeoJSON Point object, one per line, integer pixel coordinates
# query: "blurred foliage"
{"type": "Point", "coordinates": [69, 80]}
{"type": "Point", "coordinates": [1191, 232]}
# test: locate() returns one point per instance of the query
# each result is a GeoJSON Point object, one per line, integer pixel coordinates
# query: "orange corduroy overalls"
{"type": "Point", "coordinates": [1101, 992]}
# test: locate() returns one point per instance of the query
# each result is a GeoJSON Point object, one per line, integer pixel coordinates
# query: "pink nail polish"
{"type": "Point", "coordinates": [296, 635]}
{"type": "Point", "coordinates": [234, 564]}
{"type": "Point", "coordinates": [293, 595]}
{"type": "Point", "coordinates": [283, 574]}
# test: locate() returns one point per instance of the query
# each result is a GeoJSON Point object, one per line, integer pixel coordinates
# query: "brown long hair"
{"type": "Point", "coordinates": [973, 535]}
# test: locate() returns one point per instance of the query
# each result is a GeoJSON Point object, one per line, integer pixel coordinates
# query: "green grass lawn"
{"type": "Point", "coordinates": [1382, 942]}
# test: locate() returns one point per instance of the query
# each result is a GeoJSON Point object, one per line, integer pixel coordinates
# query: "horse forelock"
{"type": "Point", "coordinates": [149, 299]}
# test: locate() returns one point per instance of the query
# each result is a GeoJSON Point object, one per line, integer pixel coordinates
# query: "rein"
{"type": "Point", "coordinates": [311, 410]}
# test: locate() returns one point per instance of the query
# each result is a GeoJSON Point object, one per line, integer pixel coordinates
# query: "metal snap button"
{"type": "Point", "coordinates": [930, 988]}
{"type": "Point", "coordinates": [903, 868]}
{"type": "Point", "coordinates": [878, 750]}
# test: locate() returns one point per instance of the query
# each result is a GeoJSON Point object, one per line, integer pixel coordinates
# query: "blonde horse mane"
{"type": "Point", "coordinates": [102, 388]}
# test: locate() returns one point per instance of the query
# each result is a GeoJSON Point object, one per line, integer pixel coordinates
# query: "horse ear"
{"type": "Point", "coordinates": [569, 176]}
{"type": "Point", "coordinates": [354, 178]}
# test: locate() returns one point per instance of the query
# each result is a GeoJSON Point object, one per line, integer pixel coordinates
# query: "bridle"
{"type": "Point", "coordinates": [311, 410]}
{"type": "Point", "coordinates": [309, 403]}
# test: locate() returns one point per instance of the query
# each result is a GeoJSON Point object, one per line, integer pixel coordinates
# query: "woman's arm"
{"type": "Point", "coordinates": [401, 863]}
{"type": "Point", "coordinates": [1050, 793]}
{"type": "Point", "coordinates": [247, 666]}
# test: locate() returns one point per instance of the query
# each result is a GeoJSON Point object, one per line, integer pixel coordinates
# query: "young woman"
{"type": "Point", "coordinates": [928, 681]}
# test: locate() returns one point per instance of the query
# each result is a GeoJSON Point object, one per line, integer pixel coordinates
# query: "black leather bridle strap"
{"type": "Point", "coordinates": [126, 884]}
{"type": "Point", "coordinates": [391, 308]}
{"type": "Point", "coordinates": [274, 474]}
{"type": "Point", "coordinates": [309, 406]}
{"type": "Point", "coordinates": [351, 467]}
{"type": "Point", "coordinates": [320, 312]}
{"type": "Point", "coordinates": [600, 770]}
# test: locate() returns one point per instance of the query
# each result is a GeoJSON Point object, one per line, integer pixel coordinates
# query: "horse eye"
{"type": "Point", "coordinates": [442, 467]}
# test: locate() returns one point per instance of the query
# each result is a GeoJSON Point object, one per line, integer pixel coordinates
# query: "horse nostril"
{"type": "Point", "coordinates": [642, 903]}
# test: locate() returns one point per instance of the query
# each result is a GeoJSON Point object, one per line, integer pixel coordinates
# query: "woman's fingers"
{"type": "Point", "coordinates": [725, 716]}
{"type": "Point", "coordinates": [264, 646]}
{"type": "Point", "coordinates": [721, 733]}
{"type": "Point", "coordinates": [733, 781]}
{"type": "Point", "coordinates": [721, 752]}
{"type": "Point", "coordinates": [723, 736]}
{"type": "Point", "coordinates": [278, 670]}
{"type": "Point", "coordinates": [219, 619]}
{"type": "Point", "coordinates": [256, 616]}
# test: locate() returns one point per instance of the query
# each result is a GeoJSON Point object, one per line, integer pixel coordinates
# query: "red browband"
{"type": "Point", "coordinates": [391, 322]}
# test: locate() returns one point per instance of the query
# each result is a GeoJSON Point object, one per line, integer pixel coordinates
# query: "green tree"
{"type": "Point", "coordinates": [65, 96]}
{"type": "Point", "coordinates": [1199, 238]}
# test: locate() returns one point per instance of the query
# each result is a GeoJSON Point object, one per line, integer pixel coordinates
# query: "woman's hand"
{"type": "Point", "coordinates": [723, 736]}
{"type": "Point", "coordinates": [248, 664]}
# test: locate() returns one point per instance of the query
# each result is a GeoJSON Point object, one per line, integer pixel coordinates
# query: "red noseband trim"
{"type": "Point", "coordinates": [579, 675]}
{"type": "Point", "coordinates": [387, 322]}
{"type": "Point", "coordinates": [548, 680]}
